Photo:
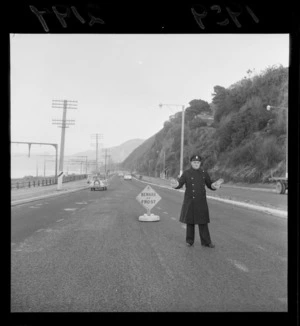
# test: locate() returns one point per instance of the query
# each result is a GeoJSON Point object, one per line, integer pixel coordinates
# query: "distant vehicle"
{"type": "Point", "coordinates": [98, 183]}
{"type": "Point", "coordinates": [127, 177]}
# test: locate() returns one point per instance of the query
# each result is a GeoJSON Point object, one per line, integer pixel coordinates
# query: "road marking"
{"type": "Point", "coordinates": [260, 247]}
{"type": "Point", "coordinates": [239, 265]}
{"type": "Point", "coordinates": [158, 207]}
{"type": "Point", "coordinates": [60, 220]}
{"type": "Point", "coordinates": [70, 209]}
{"type": "Point", "coordinates": [38, 204]}
{"type": "Point", "coordinates": [81, 203]}
{"type": "Point", "coordinates": [33, 207]}
{"type": "Point", "coordinates": [173, 218]}
{"type": "Point", "coordinates": [166, 213]}
{"type": "Point", "coordinates": [39, 230]}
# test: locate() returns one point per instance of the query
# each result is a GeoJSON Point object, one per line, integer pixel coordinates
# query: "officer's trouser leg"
{"type": "Point", "coordinates": [204, 234]}
{"type": "Point", "coordinates": [190, 233]}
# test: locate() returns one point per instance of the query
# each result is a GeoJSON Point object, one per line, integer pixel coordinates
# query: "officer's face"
{"type": "Point", "coordinates": [196, 164]}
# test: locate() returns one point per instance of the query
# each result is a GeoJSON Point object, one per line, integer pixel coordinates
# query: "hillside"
{"type": "Point", "coordinates": [244, 143]}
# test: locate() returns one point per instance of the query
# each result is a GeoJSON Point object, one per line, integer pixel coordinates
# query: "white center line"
{"type": "Point", "coordinates": [173, 218]}
{"type": "Point", "coordinates": [166, 213]}
{"type": "Point", "coordinates": [260, 247]}
{"type": "Point", "coordinates": [70, 209]}
{"type": "Point", "coordinates": [239, 265]}
{"type": "Point", "coordinates": [60, 220]}
{"type": "Point", "coordinates": [33, 207]}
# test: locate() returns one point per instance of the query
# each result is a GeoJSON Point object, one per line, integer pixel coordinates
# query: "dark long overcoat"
{"type": "Point", "coordinates": [194, 208]}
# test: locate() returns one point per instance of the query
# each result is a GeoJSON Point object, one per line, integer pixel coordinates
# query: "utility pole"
{"type": "Point", "coordinates": [63, 124]}
{"type": "Point", "coordinates": [105, 158]}
{"type": "Point", "coordinates": [97, 137]}
{"type": "Point", "coordinates": [164, 166]}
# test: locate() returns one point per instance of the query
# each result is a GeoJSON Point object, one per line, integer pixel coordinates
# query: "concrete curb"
{"type": "Point", "coordinates": [272, 211]}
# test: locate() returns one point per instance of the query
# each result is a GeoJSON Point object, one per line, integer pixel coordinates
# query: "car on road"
{"type": "Point", "coordinates": [98, 183]}
{"type": "Point", "coordinates": [127, 177]}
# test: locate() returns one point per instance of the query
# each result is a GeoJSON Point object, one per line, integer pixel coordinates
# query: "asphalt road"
{"type": "Point", "coordinates": [87, 252]}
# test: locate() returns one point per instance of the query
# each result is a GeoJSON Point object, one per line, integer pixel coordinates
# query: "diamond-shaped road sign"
{"type": "Point", "coordinates": [148, 198]}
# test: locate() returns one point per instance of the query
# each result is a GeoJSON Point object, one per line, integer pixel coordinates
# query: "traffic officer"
{"type": "Point", "coordinates": [194, 208]}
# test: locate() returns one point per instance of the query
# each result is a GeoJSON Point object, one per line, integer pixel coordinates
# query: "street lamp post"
{"type": "Point", "coordinates": [182, 134]}
{"type": "Point", "coordinates": [270, 107]}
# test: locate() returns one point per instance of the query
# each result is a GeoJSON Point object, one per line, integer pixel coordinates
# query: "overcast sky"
{"type": "Point", "coordinates": [119, 80]}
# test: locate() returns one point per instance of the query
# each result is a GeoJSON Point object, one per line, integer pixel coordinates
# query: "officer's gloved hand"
{"type": "Point", "coordinates": [217, 184]}
{"type": "Point", "coordinates": [174, 183]}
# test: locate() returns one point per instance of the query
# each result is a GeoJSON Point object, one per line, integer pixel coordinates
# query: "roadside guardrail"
{"type": "Point", "coordinates": [43, 181]}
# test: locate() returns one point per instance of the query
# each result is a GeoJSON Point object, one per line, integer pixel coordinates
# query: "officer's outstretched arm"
{"type": "Point", "coordinates": [180, 181]}
{"type": "Point", "coordinates": [208, 182]}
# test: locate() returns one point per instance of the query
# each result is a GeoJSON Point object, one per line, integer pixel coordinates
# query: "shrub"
{"type": "Point", "coordinates": [243, 155]}
{"type": "Point", "coordinates": [269, 153]}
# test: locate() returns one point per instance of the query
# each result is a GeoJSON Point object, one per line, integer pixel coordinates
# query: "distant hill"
{"type": "Point", "coordinates": [118, 153]}
{"type": "Point", "coordinates": [133, 159]}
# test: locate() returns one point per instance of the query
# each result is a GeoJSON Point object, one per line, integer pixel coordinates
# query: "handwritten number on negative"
{"type": "Point", "coordinates": [198, 17]}
{"type": "Point", "coordinates": [233, 15]}
{"type": "Point", "coordinates": [40, 17]}
{"type": "Point", "coordinates": [218, 9]}
{"type": "Point", "coordinates": [61, 16]}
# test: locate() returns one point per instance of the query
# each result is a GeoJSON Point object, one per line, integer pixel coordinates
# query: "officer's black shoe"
{"type": "Point", "coordinates": [210, 245]}
{"type": "Point", "coordinates": [189, 244]}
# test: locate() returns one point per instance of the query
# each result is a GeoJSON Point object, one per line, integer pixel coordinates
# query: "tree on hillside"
{"type": "Point", "coordinates": [269, 85]}
{"type": "Point", "coordinates": [219, 99]}
{"type": "Point", "coordinates": [196, 107]}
